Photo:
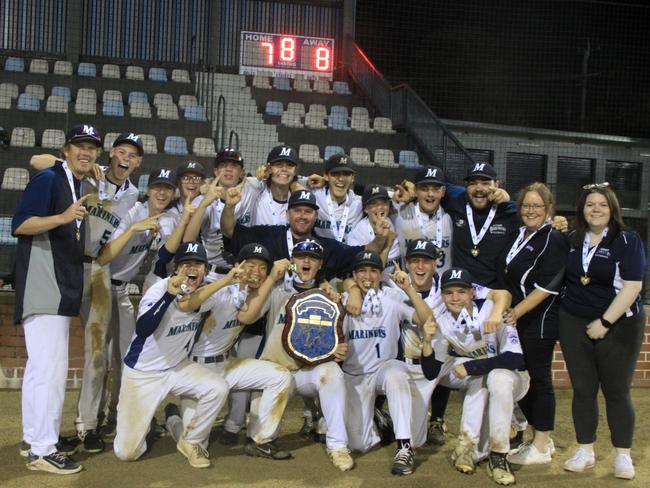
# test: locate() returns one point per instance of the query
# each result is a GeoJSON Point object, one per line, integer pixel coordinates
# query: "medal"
{"type": "Point", "coordinates": [78, 235]}
{"type": "Point", "coordinates": [475, 251]}
{"type": "Point", "coordinates": [585, 280]}
{"type": "Point", "coordinates": [587, 255]}
{"type": "Point", "coordinates": [476, 238]}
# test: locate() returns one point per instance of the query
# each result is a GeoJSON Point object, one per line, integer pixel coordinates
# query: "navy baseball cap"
{"type": "Point", "coordinates": [191, 251]}
{"type": "Point", "coordinates": [482, 170]}
{"type": "Point", "coordinates": [308, 247]}
{"type": "Point", "coordinates": [368, 258]}
{"type": "Point", "coordinates": [422, 247]}
{"type": "Point", "coordinates": [256, 251]}
{"type": "Point", "coordinates": [456, 277]}
{"type": "Point", "coordinates": [430, 174]}
{"type": "Point", "coordinates": [283, 153]}
{"type": "Point", "coordinates": [130, 138]}
{"type": "Point", "coordinates": [190, 167]}
{"type": "Point", "coordinates": [162, 175]}
{"type": "Point", "coordinates": [83, 132]}
{"type": "Point", "coordinates": [373, 193]}
{"type": "Point", "coordinates": [229, 154]}
{"type": "Point", "coordinates": [340, 163]}
{"type": "Point", "coordinates": [303, 197]}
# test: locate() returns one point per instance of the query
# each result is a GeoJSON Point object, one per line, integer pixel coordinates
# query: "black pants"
{"type": "Point", "coordinates": [608, 363]}
{"type": "Point", "coordinates": [539, 403]}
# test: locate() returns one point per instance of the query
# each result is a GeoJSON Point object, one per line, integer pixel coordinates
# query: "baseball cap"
{"type": "Point", "coordinates": [83, 132]}
{"type": "Point", "coordinates": [373, 193]}
{"type": "Point", "coordinates": [229, 154]}
{"type": "Point", "coordinates": [283, 153]}
{"type": "Point", "coordinates": [430, 174]}
{"type": "Point", "coordinates": [130, 138]}
{"type": "Point", "coordinates": [191, 251]}
{"type": "Point", "coordinates": [308, 247]}
{"type": "Point", "coordinates": [482, 170]}
{"type": "Point", "coordinates": [339, 162]}
{"type": "Point", "coordinates": [368, 258]}
{"type": "Point", "coordinates": [422, 247]}
{"type": "Point", "coordinates": [162, 175]}
{"type": "Point", "coordinates": [254, 250]}
{"type": "Point", "coordinates": [303, 197]}
{"type": "Point", "coordinates": [190, 167]}
{"type": "Point", "coordinates": [456, 277]}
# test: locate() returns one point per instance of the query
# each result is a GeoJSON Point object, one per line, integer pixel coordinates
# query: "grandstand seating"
{"type": "Point", "coordinates": [361, 156]}
{"type": "Point", "coordinates": [111, 71]}
{"type": "Point", "coordinates": [56, 104]}
{"type": "Point", "coordinates": [87, 69]}
{"type": "Point", "coordinates": [322, 86]}
{"type": "Point", "coordinates": [61, 91]}
{"type": "Point", "coordinates": [180, 76]}
{"type": "Point", "coordinates": [332, 150]}
{"type": "Point", "coordinates": [195, 113]}
{"type": "Point", "coordinates": [296, 108]}
{"type": "Point", "coordinates": [138, 96]}
{"type": "Point", "coordinates": [338, 118]}
{"type": "Point", "coordinates": [383, 125]}
{"type": "Point", "coordinates": [408, 159]}
{"type": "Point", "coordinates": [176, 145]}
{"type": "Point", "coordinates": [23, 137]}
{"type": "Point", "coordinates": [291, 119]}
{"type": "Point", "coordinates": [360, 120]}
{"type": "Point", "coordinates": [63, 68]}
{"type": "Point", "coordinates": [5, 102]}
{"type": "Point", "coordinates": [28, 103]}
{"type": "Point", "coordinates": [301, 84]}
{"type": "Point", "coordinates": [149, 144]}
{"type": "Point", "coordinates": [385, 158]}
{"type": "Point", "coordinates": [15, 179]}
{"type": "Point", "coordinates": [187, 101]}
{"type": "Point", "coordinates": [261, 81]}
{"type": "Point", "coordinates": [39, 66]}
{"type": "Point", "coordinates": [309, 153]}
{"type": "Point", "coordinates": [112, 95]}
{"type": "Point", "coordinates": [157, 74]}
{"type": "Point", "coordinates": [204, 147]}
{"type": "Point", "coordinates": [134, 73]}
{"type": "Point", "coordinates": [14, 64]}
{"type": "Point", "coordinates": [162, 99]}
{"type": "Point", "coordinates": [52, 139]}
{"type": "Point", "coordinates": [113, 108]}
{"type": "Point", "coordinates": [37, 90]}
{"type": "Point", "coordinates": [274, 108]}
{"type": "Point", "coordinates": [86, 101]}
{"type": "Point", "coordinates": [143, 181]}
{"type": "Point", "coordinates": [9, 89]}
{"type": "Point", "coordinates": [167, 111]}
{"type": "Point", "coordinates": [341, 87]}
{"type": "Point", "coordinates": [314, 120]}
{"type": "Point", "coordinates": [281, 83]}
{"type": "Point", "coordinates": [140, 110]}
{"type": "Point", "coordinates": [6, 239]}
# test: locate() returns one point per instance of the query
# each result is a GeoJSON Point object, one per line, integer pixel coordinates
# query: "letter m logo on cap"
{"type": "Point", "coordinates": [305, 195]}
{"type": "Point", "coordinates": [192, 248]}
{"type": "Point", "coordinates": [421, 245]}
{"type": "Point", "coordinates": [375, 189]}
{"type": "Point", "coordinates": [367, 255]}
{"type": "Point", "coordinates": [164, 173]}
{"type": "Point", "coordinates": [257, 249]}
{"type": "Point", "coordinates": [133, 137]}
{"type": "Point", "coordinates": [285, 151]}
{"type": "Point", "coordinates": [431, 173]}
{"type": "Point", "coordinates": [191, 164]}
{"type": "Point", "coordinates": [456, 274]}
{"type": "Point", "coordinates": [89, 129]}
{"type": "Point", "coordinates": [479, 167]}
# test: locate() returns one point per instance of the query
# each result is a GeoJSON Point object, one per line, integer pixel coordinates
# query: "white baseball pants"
{"type": "Point", "coordinates": [421, 391]}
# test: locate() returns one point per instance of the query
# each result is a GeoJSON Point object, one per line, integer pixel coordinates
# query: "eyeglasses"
{"type": "Point", "coordinates": [191, 179]}
{"type": "Point", "coordinates": [308, 246]}
{"type": "Point", "coordinates": [596, 186]}
{"type": "Point", "coordinates": [532, 206]}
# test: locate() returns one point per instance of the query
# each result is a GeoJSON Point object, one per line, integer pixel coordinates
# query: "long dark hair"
{"type": "Point", "coordinates": [615, 224]}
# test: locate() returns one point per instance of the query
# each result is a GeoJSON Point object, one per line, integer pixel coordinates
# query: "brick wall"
{"type": "Point", "coordinates": [13, 354]}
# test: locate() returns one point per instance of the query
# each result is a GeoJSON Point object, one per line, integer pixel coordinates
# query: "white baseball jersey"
{"type": "Point", "coordinates": [373, 340]}
{"type": "Point", "coordinates": [173, 339]}
{"type": "Point", "coordinates": [411, 223]}
{"type": "Point", "coordinates": [346, 215]}
{"type": "Point", "coordinates": [267, 210]}
{"type": "Point", "coordinates": [362, 234]}
{"type": "Point", "coordinates": [273, 349]}
{"type": "Point", "coordinates": [127, 264]}
{"type": "Point", "coordinates": [221, 328]}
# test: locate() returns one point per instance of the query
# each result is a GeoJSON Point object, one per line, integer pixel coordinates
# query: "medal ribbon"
{"type": "Point", "coordinates": [338, 227]}
{"type": "Point", "coordinates": [476, 239]}
{"type": "Point", "coordinates": [418, 216]}
{"type": "Point", "coordinates": [68, 174]}
{"type": "Point", "coordinates": [238, 295]}
{"type": "Point", "coordinates": [372, 303]}
{"type": "Point", "coordinates": [520, 242]}
{"type": "Point", "coordinates": [588, 255]}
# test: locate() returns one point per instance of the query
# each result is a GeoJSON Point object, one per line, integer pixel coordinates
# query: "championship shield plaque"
{"type": "Point", "coordinates": [313, 327]}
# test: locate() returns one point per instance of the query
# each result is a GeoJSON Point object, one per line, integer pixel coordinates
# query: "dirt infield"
{"type": "Point", "coordinates": [163, 467]}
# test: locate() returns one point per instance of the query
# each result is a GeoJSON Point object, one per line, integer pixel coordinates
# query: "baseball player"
{"type": "Point", "coordinates": [221, 330]}
{"type": "Point", "coordinates": [157, 362]}
{"type": "Point", "coordinates": [488, 366]}
{"type": "Point", "coordinates": [371, 366]}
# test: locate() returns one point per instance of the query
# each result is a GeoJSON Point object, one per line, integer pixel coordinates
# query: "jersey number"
{"type": "Point", "coordinates": [378, 352]}
{"type": "Point", "coordinates": [441, 259]}
{"type": "Point", "coordinates": [105, 237]}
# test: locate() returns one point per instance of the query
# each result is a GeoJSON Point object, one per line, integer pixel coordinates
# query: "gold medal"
{"type": "Point", "coordinates": [78, 235]}
{"type": "Point", "coordinates": [475, 251]}
{"type": "Point", "coordinates": [585, 280]}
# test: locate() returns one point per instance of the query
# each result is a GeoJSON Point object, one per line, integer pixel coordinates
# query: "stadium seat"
{"type": "Point", "coordinates": [23, 137]}
{"type": "Point", "coordinates": [9, 89]}
{"type": "Point", "coordinates": [341, 87]}
{"type": "Point", "coordinates": [290, 119]}
{"type": "Point", "coordinates": [5, 102]}
{"type": "Point", "coordinates": [180, 76]}
{"type": "Point", "coordinates": [296, 108]}
{"type": "Point", "coordinates": [204, 146]}
{"type": "Point", "coordinates": [112, 95]}
{"type": "Point", "coordinates": [361, 156]}
{"type": "Point", "coordinates": [140, 110]}
{"type": "Point", "coordinates": [301, 84]}
{"type": "Point", "coordinates": [56, 104]}
{"type": "Point", "coordinates": [111, 71]}
{"type": "Point", "coordinates": [138, 96]}
{"type": "Point", "coordinates": [143, 181]}
{"type": "Point", "coordinates": [86, 102]}
{"type": "Point", "coordinates": [360, 120]}
{"type": "Point", "coordinates": [314, 120]}
{"type": "Point", "coordinates": [176, 145]}
{"type": "Point", "coordinates": [281, 83]}
{"type": "Point", "coordinates": [63, 68]}
{"type": "Point", "coordinates": [113, 108]}
{"type": "Point", "coordinates": [162, 99]}
{"type": "Point", "coordinates": [157, 74]}
{"type": "Point", "coordinates": [52, 139]}
{"type": "Point", "coordinates": [383, 125]}
{"type": "Point", "coordinates": [322, 86]}
{"type": "Point", "coordinates": [167, 111]}
{"type": "Point", "coordinates": [338, 121]}
{"type": "Point", "coordinates": [274, 108]}
{"type": "Point", "coordinates": [187, 101]}
{"type": "Point", "coordinates": [195, 113]}
{"type": "Point", "coordinates": [39, 66]}
{"type": "Point", "coordinates": [261, 81]}
{"type": "Point", "coordinates": [28, 103]}
{"type": "Point", "coordinates": [339, 110]}
{"type": "Point", "coordinates": [408, 159]}
{"type": "Point", "coordinates": [109, 139]}
{"type": "Point", "coordinates": [385, 158]}
{"type": "Point", "coordinates": [6, 239]}
{"type": "Point", "coordinates": [309, 153]}
{"type": "Point", "coordinates": [61, 91]}
{"type": "Point", "coordinates": [15, 179]}
{"type": "Point", "coordinates": [317, 108]}
{"type": "Point", "coordinates": [87, 69]}
{"type": "Point", "coordinates": [37, 90]}
{"type": "Point", "coordinates": [149, 143]}
{"type": "Point", "coordinates": [332, 150]}
{"type": "Point", "coordinates": [14, 64]}
{"type": "Point", "coordinates": [134, 73]}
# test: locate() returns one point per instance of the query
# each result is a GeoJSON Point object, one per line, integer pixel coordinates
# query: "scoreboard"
{"type": "Point", "coordinates": [285, 55]}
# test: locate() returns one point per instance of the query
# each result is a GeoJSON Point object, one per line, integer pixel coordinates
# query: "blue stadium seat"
{"type": "Point", "coordinates": [113, 108]}
{"type": "Point", "coordinates": [176, 145]}
{"type": "Point", "coordinates": [87, 69]}
{"type": "Point", "coordinates": [339, 110]}
{"type": "Point", "coordinates": [332, 150]}
{"type": "Point", "coordinates": [342, 88]}
{"type": "Point", "coordinates": [409, 159]}
{"type": "Point", "coordinates": [338, 122]}
{"type": "Point", "coordinates": [143, 182]}
{"type": "Point", "coordinates": [281, 84]}
{"type": "Point", "coordinates": [157, 74]}
{"type": "Point", "coordinates": [28, 103]}
{"type": "Point", "coordinates": [62, 91]}
{"type": "Point", "coordinates": [14, 64]}
{"type": "Point", "coordinates": [274, 107]}
{"type": "Point", "coordinates": [195, 113]}
{"type": "Point", "coordinates": [6, 239]}
{"type": "Point", "coordinates": [138, 96]}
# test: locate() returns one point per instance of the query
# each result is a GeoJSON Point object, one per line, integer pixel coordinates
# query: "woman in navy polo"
{"type": "Point", "coordinates": [602, 324]}
{"type": "Point", "coordinates": [532, 269]}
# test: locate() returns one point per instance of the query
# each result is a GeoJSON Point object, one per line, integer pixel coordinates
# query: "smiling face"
{"type": "Point", "coordinates": [367, 277]}
{"type": "Point", "coordinates": [160, 195]}
{"type": "Point", "coordinates": [190, 185]}
{"type": "Point", "coordinates": [429, 196]}
{"type": "Point", "coordinates": [456, 298]}
{"type": "Point", "coordinates": [478, 191]}
{"type": "Point", "coordinates": [80, 157]}
{"type": "Point", "coordinates": [339, 183]}
{"type": "Point", "coordinates": [533, 211]}
{"type": "Point", "coordinates": [421, 270]}
{"type": "Point", "coordinates": [302, 219]}
{"type": "Point", "coordinates": [255, 272]}
{"type": "Point", "coordinates": [307, 266]}
{"type": "Point", "coordinates": [124, 160]}
{"type": "Point", "coordinates": [379, 207]}
{"type": "Point", "coordinates": [194, 271]}
{"type": "Point", "coordinates": [596, 211]}
{"type": "Point", "coordinates": [230, 172]}
{"type": "Point", "coordinates": [282, 173]}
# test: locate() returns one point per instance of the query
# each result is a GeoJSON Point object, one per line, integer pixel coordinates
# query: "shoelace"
{"type": "Point", "coordinates": [500, 462]}
{"type": "Point", "coordinates": [200, 450]}
{"type": "Point", "coordinates": [59, 457]}
{"type": "Point", "coordinates": [403, 454]}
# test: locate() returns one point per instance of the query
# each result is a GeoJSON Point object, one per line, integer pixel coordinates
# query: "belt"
{"type": "Point", "coordinates": [219, 269]}
{"type": "Point", "coordinates": [117, 282]}
{"type": "Point", "coordinates": [413, 361]}
{"type": "Point", "coordinates": [88, 259]}
{"type": "Point", "coordinates": [210, 359]}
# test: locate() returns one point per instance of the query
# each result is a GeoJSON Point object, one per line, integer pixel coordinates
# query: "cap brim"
{"type": "Point", "coordinates": [119, 143]}
{"type": "Point", "coordinates": [308, 253]}
{"type": "Point", "coordinates": [84, 139]}
{"type": "Point", "coordinates": [230, 160]}
{"type": "Point", "coordinates": [368, 263]}
{"type": "Point", "coordinates": [182, 259]}
{"type": "Point", "coordinates": [429, 180]}
{"type": "Point", "coordinates": [480, 175]}
{"type": "Point", "coordinates": [303, 204]}
{"type": "Point", "coordinates": [342, 169]}
{"type": "Point", "coordinates": [456, 283]}
{"type": "Point", "coordinates": [165, 182]}
{"type": "Point", "coordinates": [375, 197]}
{"type": "Point", "coordinates": [282, 158]}
{"type": "Point", "coordinates": [422, 254]}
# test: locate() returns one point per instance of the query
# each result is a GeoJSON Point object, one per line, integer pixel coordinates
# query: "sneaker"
{"type": "Point", "coordinates": [551, 446]}
{"type": "Point", "coordinates": [580, 461]}
{"type": "Point", "coordinates": [196, 454]}
{"type": "Point", "coordinates": [171, 409]}
{"type": "Point", "coordinates": [57, 463]}
{"type": "Point", "coordinates": [108, 431]}
{"type": "Point", "coordinates": [623, 467]}
{"type": "Point", "coordinates": [385, 427]}
{"type": "Point", "coordinates": [499, 469]}
{"type": "Point", "coordinates": [92, 441]}
{"type": "Point", "coordinates": [341, 458]}
{"type": "Point", "coordinates": [528, 454]}
{"type": "Point", "coordinates": [307, 429]}
{"type": "Point", "coordinates": [517, 440]}
{"type": "Point", "coordinates": [66, 445]}
{"type": "Point", "coordinates": [463, 458]}
{"type": "Point", "coordinates": [156, 431]}
{"type": "Point", "coordinates": [437, 433]}
{"type": "Point", "coordinates": [270, 450]}
{"type": "Point", "coordinates": [403, 463]}
{"type": "Point", "coordinates": [228, 438]}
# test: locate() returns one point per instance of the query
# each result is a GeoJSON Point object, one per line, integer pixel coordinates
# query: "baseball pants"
{"type": "Point", "coordinates": [421, 391]}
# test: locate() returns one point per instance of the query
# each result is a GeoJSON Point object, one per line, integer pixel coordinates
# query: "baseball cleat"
{"type": "Point", "coordinates": [108, 431]}
{"type": "Point", "coordinates": [228, 438]}
{"type": "Point", "coordinates": [57, 463]}
{"type": "Point", "coordinates": [623, 467]}
{"type": "Point", "coordinates": [517, 440]}
{"type": "Point", "coordinates": [196, 454]}
{"type": "Point", "coordinates": [66, 446]}
{"type": "Point", "coordinates": [384, 424]}
{"type": "Point", "coordinates": [437, 433]}
{"type": "Point", "coordinates": [528, 454]}
{"type": "Point", "coordinates": [171, 409]}
{"type": "Point", "coordinates": [270, 450]}
{"type": "Point", "coordinates": [463, 458]}
{"type": "Point", "coordinates": [499, 469]}
{"type": "Point", "coordinates": [580, 461]}
{"type": "Point", "coordinates": [341, 458]}
{"type": "Point", "coordinates": [307, 429]}
{"type": "Point", "coordinates": [92, 441]}
{"type": "Point", "coordinates": [403, 462]}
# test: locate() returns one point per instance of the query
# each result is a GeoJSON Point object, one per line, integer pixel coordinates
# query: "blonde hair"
{"type": "Point", "coordinates": [545, 194]}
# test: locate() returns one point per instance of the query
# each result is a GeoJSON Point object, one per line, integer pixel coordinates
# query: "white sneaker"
{"type": "Point", "coordinates": [528, 454]}
{"type": "Point", "coordinates": [623, 467]}
{"type": "Point", "coordinates": [197, 456]}
{"type": "Point", "coordinates": [580, 461]}
{"type": "Point", "coordinates": [341, 458]}
{"type": "Point", "coordinates": [551, 446]}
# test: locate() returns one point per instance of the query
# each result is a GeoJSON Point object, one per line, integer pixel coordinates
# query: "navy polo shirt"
{"type": "Point", "coordinates": [49, 266]}
{"type": "Point", "coordinates": [617, 259]}
{"type": "Point", "coordinates": [539, 265]}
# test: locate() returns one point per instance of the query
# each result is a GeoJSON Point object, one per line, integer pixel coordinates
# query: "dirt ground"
{"type": "Point", "coordinates": [163, 467]}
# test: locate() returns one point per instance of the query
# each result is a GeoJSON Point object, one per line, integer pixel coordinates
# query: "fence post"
{"type": "Point", "coordinates": [74, 30]}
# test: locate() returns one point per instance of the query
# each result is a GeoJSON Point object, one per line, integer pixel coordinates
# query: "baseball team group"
{"type": "Point", "coordinates": [441, 286]}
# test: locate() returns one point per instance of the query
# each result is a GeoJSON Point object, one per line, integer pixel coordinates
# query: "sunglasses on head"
{"type": "Point", "coordinates": [308, 246]}
{"type": "Point", "coordinates": [596, 186]}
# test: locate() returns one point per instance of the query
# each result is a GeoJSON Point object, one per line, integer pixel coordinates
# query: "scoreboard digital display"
{"type": "Point", "coordinates": [285, 55]}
